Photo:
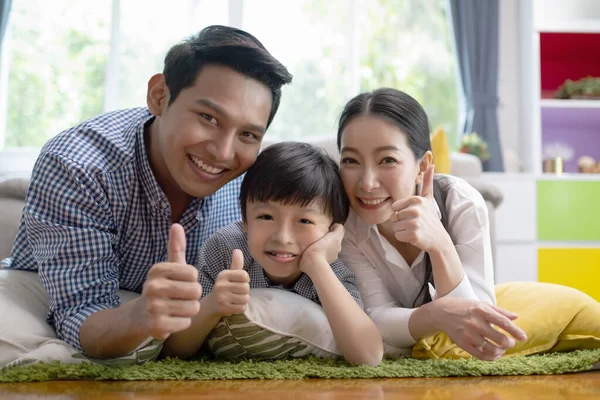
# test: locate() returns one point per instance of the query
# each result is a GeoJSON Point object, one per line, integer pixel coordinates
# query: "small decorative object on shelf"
{"type": "Point", "coordinates": [555, 154]}
{"type": "Point", "coordinates": [553, 165]}
{"type": "Point", "coordinates": [587, 165]}
{"type": "Point", "coordinates": [473, 144]}
{"type": "Point", "coordinates": [586, 88]}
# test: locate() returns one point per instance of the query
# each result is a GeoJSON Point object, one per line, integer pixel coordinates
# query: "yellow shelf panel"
{"type": "Point", "coordinates": [575, 267]}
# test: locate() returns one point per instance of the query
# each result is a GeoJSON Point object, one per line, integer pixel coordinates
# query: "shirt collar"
{"type": "Point", "coordinates": [154, 193]}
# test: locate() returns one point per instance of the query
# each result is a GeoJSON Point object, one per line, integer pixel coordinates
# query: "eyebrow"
{"type": "Point", "coordinates": [220, 110]}
{"type": "Point", "coordinates": [377, 150]}
{"type": "Point", "coordinates": [310, 208]}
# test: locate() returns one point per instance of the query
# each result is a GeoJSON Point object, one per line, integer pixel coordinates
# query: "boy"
{"type": "Point", "coordinates": [293, 204]}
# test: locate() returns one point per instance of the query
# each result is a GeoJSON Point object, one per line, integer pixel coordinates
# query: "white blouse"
{"type": "Point", "coordinates": [389, 286]}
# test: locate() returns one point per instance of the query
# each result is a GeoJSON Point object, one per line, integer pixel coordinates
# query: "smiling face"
{"type": "Point", "coordinates": [279, 233]}
{"type": "Point", "coordinates": [210, 134]}
{"type": "Point", "coordinates": [377, 167]}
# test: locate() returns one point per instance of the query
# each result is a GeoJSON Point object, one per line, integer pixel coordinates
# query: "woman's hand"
{"type": "Point", "coordinates": [470, 324]}
{"type": "Point", "coordinates": [416, 221]}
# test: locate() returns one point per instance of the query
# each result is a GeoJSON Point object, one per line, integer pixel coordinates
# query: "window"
{"type": "Point", "coordinates": [338, 48]}
{"type": "Point", "coordinates": [70, 60]}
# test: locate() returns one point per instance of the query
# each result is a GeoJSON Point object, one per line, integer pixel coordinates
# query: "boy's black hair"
{"type": "Point", "coordinates": [295, 173]}
{"type": "Point", "coordinates": [226, 46]}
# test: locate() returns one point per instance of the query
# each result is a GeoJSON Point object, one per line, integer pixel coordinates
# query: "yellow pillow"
{"type": "Point", "coordinates": [554, 317]}
{"type": "Point", "coordinates": [441, 151]}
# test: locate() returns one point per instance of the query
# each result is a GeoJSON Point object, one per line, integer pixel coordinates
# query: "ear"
{"type": "Point", "coordinates": [157, 97]}
{"type": "Point", "coordinates": [424, 164]}
{"type": "Point", "coordinates": [245, 226]}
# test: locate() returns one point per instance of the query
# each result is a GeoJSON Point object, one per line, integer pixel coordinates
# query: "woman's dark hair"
{"type": "Point", "coordinates": [295, 173]}
{"type": "Point", "coordinates": [407, 114]}
{"type": "Point", "coordinates": [226, 46]}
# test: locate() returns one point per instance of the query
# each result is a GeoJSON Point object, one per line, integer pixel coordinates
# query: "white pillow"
{"type": "Point", "coordinates": [277, 324]}
{"type": "Point", "coordinates": [26, 337]}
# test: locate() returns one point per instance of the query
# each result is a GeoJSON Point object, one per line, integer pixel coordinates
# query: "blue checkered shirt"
{"type": "Point", "coordinates": [95, 219]}
{"type": "Point", "coordinates": [215, 256]}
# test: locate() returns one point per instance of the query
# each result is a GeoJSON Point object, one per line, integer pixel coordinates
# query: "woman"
{"type": "Point", "coordinates": [418, 244]}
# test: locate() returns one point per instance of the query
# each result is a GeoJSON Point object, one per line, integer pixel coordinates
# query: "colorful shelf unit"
{"type": "Point", "coordinates": [572, 122]}
{"type": "Point", "coordinates": [568, 214]}
{"type": "Point", "coordinates": [567, 55]}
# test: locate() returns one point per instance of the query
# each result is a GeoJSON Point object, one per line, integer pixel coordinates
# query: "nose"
{"type": "Point", "coordinates": [282, 234]}
{"type": "Point", "coordinates": [221, 147]}
{"type": "Point", "coordinates": [368, 180]}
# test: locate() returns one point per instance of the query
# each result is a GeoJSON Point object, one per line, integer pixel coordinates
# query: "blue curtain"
{"type": "Point", "coordinates": [475, 24]}
{"type": "Point", "coordinates": [4, 11]}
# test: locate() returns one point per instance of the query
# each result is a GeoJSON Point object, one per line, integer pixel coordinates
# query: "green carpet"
{"type": "Point", "coordinates": [547, 364]}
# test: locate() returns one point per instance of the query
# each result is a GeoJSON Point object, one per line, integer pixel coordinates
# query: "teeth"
{"type": "Point", "coordinates": [280, 255]}
{"type": "Point", "coordinates": [373, 201]}
{"type": "Point", "coordinates": [205, 167]}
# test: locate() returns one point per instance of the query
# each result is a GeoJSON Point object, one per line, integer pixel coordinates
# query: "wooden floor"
{"type": "Point", "coordinates": [574, 386]}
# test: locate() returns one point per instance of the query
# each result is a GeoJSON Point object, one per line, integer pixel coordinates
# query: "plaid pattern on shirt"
{"type": "Point", "coordinates": [215, 256]}
{"type": "Point", "coordinates": [95, 219]}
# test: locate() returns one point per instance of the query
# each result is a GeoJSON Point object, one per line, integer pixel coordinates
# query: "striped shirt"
{"type": "Point", "coordinates": [215, 256]}
{"type": "Point", "coordinates": [95, 219]}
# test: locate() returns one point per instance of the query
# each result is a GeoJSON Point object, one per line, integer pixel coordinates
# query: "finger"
{"type": "Point", "coordinates": [508, 314]}
{"type": "Point", "coordinates": [237, 260]}
{"type": "Point", "coordinates": [172, 289]}
{"type": "Point", "coordinates": [405, 236]}
{"type": "Point", "coordinates": [499, 338]}
{"type": "Point", "coordinates": [235, 276]}
{"type": "Point", "coordinates": [337, 230]}
{"type": "Point", "coordinates": [239, 287]}
{"type": "Point", "coordinates": [182, 308]}
{"type": "Point", "coordinates": [406, 214]}
{"type": "Point", "coordinates": [174, 271]}
{"type": "Point", "coordinates": [401, 204]}
{"type": "Point", "coordinates": [427, 188]}
{"type": "Point", "coordinates": [176, 245]}
{"type": "Point", "coordinates": [492, 316]}
{"type": "Point", "coordinates": [490, 352]}
{"type": "Point", "coordinates": [238, 299]}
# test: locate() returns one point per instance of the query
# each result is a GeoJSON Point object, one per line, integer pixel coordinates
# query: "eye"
{"type": "Point", "coordinates": [348, 160]}
{"type": "Point", "coordinates": [305, 221]}
{"type": "Point", "coordinates": [209, 118]}
{"type": "Point", "coordinates": [389, 160]}
{"type": "Point", "coordinates": [265, 217]}
{"type": "Point", "coordinates": [249, 135]}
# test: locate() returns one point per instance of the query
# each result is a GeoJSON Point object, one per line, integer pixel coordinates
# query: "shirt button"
{"type": "Point", "coordinates": [164, 204]}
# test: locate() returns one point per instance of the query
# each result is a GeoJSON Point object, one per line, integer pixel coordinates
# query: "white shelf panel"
{"type": "Point", "coordinates": [562, 103]}
{"type": "Point", "coordinates": [572, 26]}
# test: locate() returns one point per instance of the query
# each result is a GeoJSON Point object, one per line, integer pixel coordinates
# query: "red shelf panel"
{"type": "Point", "coordinates": [567, 56]}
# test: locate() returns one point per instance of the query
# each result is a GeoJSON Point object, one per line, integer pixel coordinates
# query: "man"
{"type": "Point", "coordinates": [106, 195]}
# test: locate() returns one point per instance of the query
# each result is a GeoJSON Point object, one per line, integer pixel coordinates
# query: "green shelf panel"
{"type": "Point", "coordinates": [568, 210]}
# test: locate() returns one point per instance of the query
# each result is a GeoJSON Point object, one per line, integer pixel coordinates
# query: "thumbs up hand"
{"type": "Point", "coordinates": [171, 292]}
{"type": "Point", "coordinates": [231, 292]}
{"type": "Point", "coordinates": [416, 220]}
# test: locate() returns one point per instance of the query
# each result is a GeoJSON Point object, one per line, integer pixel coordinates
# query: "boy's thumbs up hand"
{"type": "Point", "coordinates": [231, 292]}
{"type": "Point", "coordinates": [237, 261]}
